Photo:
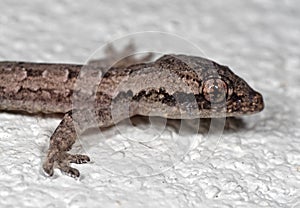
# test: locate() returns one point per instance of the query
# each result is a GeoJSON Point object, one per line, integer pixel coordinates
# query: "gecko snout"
{"type": "Point", "coordinates": [247, 102]}
{"type": "Point", "coordinates": [256, 102]}
{"type": "Point", "coordinates": [259, 101]}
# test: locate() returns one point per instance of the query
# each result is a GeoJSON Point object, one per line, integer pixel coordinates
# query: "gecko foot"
{"type": "Point", "coordinates": [62, 160]}
{"type": "Point", "coordinates": [123, 58]}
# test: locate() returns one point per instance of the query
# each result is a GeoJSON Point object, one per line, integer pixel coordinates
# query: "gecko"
{"type": "Point", "coordinates": [172, 86]}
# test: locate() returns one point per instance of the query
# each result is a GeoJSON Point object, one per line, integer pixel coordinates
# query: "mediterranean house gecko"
{"type": "Point", "coordinates": [173, 86]}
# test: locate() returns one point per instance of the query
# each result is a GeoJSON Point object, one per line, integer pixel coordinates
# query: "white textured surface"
{"type": "Point", "coordinates": [258, 166]}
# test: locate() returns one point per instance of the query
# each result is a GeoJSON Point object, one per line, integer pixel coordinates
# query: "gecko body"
{"type": "Point", "coordinates": [173, 86]}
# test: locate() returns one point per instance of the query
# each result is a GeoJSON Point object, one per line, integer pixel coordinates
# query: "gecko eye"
{"type": "Point", "coordinates": [214, 90]}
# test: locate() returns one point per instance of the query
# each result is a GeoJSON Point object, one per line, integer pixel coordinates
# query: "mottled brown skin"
{"type": "Point", "coordinates": [174, 86]}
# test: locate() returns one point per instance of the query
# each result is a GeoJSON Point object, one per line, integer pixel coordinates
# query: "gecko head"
{"type": "Point", "coordinates": [230, 89]}
{"type": "Point", "coordinates": [218, 91]}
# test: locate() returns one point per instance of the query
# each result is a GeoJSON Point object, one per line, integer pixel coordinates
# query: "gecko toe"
{"type": "Point", "coordinates": [48, 168]}
{"type": "Point", "coordinates": [68, 170]}
{"type": "Point", "coordinates": [78, 159]}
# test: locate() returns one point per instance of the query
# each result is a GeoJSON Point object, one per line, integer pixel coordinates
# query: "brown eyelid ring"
{"type": "Point", "coordinates": [216, 90]}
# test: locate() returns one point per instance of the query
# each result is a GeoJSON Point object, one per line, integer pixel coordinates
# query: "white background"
{"type": "Point", "coordinates": [254, 166]}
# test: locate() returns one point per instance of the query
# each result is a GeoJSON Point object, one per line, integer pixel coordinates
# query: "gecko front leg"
{"type": "Point", "coordinates": [60, 142]}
